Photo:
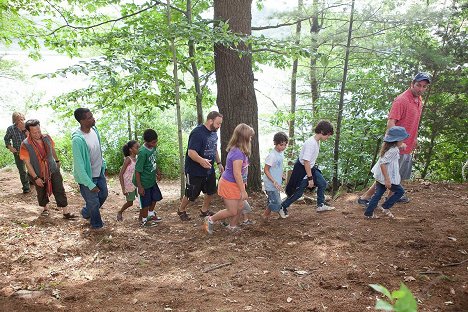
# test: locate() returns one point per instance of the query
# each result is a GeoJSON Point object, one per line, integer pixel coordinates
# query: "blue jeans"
{"type": "Point", "coordinates": [319, 182]}
{"type": "Point", "coordinates": [94, 201]}
{"type": "Point", "coordinates": [274, 200]}
{"type": "Point", "coordinates": [380, 189]}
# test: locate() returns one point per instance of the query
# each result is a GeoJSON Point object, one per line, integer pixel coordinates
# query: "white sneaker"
{"type": "Point", "coordinates": [324, 208]}
{"type": "Point", "coordinates": [282, 214]}
{"type": "Point", "coordinates": [387, 213]}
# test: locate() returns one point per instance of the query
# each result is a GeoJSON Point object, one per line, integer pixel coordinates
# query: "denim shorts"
{"type": "Point", "coordinates": [274, 200]}
{"type": "Point", "coordinates": [152, 194]}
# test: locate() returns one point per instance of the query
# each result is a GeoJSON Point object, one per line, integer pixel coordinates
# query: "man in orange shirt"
{"type": "Point", "coordinates": [405, 112]}
{"type": "Point", "coordinates": [38, 153]}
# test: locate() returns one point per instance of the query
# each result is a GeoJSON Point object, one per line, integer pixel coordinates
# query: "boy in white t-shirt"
{"type": "Point", "coordinates": [273, 177]}
{"type": "Point", "coordinates": [306, 173]}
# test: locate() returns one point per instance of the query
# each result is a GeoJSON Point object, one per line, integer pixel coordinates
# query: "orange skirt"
{"type": "Point", "coordinates": [228, 190]}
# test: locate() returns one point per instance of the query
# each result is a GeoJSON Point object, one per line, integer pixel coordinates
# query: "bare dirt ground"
{"type": "Point", "coordinates": [308, 262]}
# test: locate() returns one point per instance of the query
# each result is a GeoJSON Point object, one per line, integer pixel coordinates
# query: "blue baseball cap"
{"type": "Point", "coordinates": [422, 76]}
{"type": "Point", "coordinates": [395, 134]}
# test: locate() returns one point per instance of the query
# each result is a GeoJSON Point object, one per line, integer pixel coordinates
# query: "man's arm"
{"type": "Point", "coordinates": [391, 123]}
{"type": "Point", "coordinates": [218, 162]}
{"type": "Point", "coordinates": [205, 163]}
{"type": "Point", "coordinates": [8, 139]}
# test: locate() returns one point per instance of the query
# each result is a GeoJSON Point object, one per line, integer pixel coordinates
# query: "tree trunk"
{"type": "Point", "coordinates": [177, 100]}
{"type": "Point", "coordinates": [428, 159]}
{"type": "Point", "coordinates": [196, 75]}
{"type": "Point", "coordinates": [235, 82]}
{"type": "Point", "coordinates": [314, 30]}
{"type": "Point", "coordinates": [129, 125]}
{"type": "Point", "coordinates": [292, 111]}
{"type": "Point", "coordinates": [341, 105]}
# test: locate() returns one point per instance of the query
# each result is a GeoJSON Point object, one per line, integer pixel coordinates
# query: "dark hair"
{"type": "Point", "coordinates": [386, 146]}
{"type": "Point", "coordinates": [126, 148]}
{"type": "Point", "coordinates": [150, 135]}
{"type": "Point", "coordinates": [31, 123]}
{"type": "Point", "coordinates": [324, 127]}
{"type": "Point", "coordinates": [213, 115]}
{"type": "Point", "coordinates": [280, 137]}
{"type": "Point", "coordinates": [80, 113]}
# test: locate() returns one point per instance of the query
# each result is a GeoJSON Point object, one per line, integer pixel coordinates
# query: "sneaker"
{"type": "Point", "coordinates": [148, 223]}
{"type": "Point", "coordinates": [154, 218]}
{"type": "Point", "coordinates": [387, 213]}
{"type": "Point", "coordinates": [119, 216]}
{"type": "Point", "coordinates": [248, 222]}
{"type": "Point", "coordinates": [374, 216]}
{"type": "Point", "coordinates": [225, 223]}
{"type": "Point", "coordinates": [207, 213]}
{"type": "Point", "coordinates": [362, 201]}
{"type": "Point", "coordinates": [324, 207]}
{"type": "Point", "coordinates": [282, 213]}
{"type": "Point", "coordinates": [209, 225]}
{"type": "Point", "coordinates": [184, 216]}
{"type": "Point", "coordinates": [404, 200]}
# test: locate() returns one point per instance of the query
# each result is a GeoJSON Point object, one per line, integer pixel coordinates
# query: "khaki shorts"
{"type": "Point", "coordinates": [406, 163]}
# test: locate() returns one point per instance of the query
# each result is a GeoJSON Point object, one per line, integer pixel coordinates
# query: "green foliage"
{"type": "Point", "coordinates": [6, 158]}
{"type": "Point", "coordinates": [401, 300]}
{"type": "Point", "coordinates": [63, 149]}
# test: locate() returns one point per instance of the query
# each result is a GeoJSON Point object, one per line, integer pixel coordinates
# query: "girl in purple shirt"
{"type": "Point", "coordinates": [231, 186]}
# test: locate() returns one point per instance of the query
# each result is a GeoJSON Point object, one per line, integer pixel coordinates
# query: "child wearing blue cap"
{"type": "Point", "coordinates": [387, 174]}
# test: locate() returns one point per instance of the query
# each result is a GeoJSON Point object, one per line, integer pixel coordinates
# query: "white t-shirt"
{"type": "Point", "coordinates": [390, 158]}
{"type": "Point", "coordinates": [95, 153]}
{"type": "Point", "coordinates": [310, 151]}
{"type": "Point", "coordinates": [275, 161]}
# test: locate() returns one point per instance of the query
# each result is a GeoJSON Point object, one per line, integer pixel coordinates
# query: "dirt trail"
{"type": "Point", "coordinates": [308, 262]}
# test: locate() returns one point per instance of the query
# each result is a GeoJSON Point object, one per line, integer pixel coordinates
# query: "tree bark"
{"type": "Point", "coordinates": [314, 30]}
{"type": "Point", "coordinates": [341, 104]}
{"type": "Point", "coordinates": [235, 82]}
{"type": "Point", "coordinates": [195, 74]}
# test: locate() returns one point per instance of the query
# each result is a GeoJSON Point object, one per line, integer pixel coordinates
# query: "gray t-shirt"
{"type": "Point", "coordinates": [95, 153]}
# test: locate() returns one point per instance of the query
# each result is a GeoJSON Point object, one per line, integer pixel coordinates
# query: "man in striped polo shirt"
{"type": "Point", "coordinates": [405, 112]}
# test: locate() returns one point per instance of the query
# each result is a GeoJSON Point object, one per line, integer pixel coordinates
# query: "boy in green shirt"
{"type": "Point", "coordinates": [145, 179]}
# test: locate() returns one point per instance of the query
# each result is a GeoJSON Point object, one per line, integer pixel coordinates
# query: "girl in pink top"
{"type": "Point", "coordinates": [231, 186]}
{"type": "Point", "coordinates": [130, 151]}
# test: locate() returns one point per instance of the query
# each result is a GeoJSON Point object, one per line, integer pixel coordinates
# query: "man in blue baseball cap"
{"type": "Point", "coordinates": [405, 112]}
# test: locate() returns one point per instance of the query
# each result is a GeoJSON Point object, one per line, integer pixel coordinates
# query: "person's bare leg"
{"type": "Point", "coordinates": [206, 203]}
{"type": "Point", "coordinates": [370, 192]}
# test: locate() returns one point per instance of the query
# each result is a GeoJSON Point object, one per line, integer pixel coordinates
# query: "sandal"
{"type": "Point", "coordinates": [207, 213]}
{"type": "Point", "coordinates": [184, 216]}
{"type": "Point", "coordinates": [69, 216]}
{"type": "Point", "coordinates": [45, 213]}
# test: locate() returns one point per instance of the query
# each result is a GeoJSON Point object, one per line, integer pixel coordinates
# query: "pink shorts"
{"type": "Point", "coordinates": [228, 190]}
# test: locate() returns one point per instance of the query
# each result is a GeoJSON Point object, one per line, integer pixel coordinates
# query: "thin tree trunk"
{"type": "Point", "coordinates": [428, 159]}
{"type": "Point", "coordinates": [129, 125]}
{"type": "Point", "coordinates": [292, 111]}
{"type": "Point", "coordinates": [196, 75]}
{"type": "Point", "coordinates": [314, 30]}
{"type": "Point", "coordinates": [341, 104]}
{"type": "Point", "coordinates": [235, 81]}
{"type": "Point", "coordinates": [177, 100]}
{"type": "Point", "coordinates": [374, 159]}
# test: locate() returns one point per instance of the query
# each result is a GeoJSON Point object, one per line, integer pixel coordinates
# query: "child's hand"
{"type": "Point", "coordinates": [244, 195]}
{"type": "Point", "coordinates": [277, 186]}
{"type": "Point", "coordinates": [402, 146]}
{"type": "Point", "coordinates": [141, 191]}
{"type": "Point", "coordinates": [388, 184]}
{"type": "Point", "coordinates": [311, 184]}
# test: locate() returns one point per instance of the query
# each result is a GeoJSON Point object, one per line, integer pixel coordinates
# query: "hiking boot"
{"type": "Point", "coordinates": [324, 207]}
{"type": "Point", "coordinates": [209, 225]}
{"type": "Point", "coordinates": [387, 213]}
{"type": "Point", "coordinates": [363, 202]}
{"type": "Point", "coordinates": [183, 216]}
{"type": "Point", "coordinates": [207, 213]}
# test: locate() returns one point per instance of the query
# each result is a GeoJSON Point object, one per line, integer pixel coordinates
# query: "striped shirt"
{"type": "Point", "coordinates": [390, 158]}
{"type": "Point", "coordinates": [14, 136]}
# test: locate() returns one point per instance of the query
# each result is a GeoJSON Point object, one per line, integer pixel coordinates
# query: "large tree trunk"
{"type": "Point", "coordinates": [314, 30]}
{"type": "Point", "coordinates": [235, 82]}
{"type": "Point", "coordinates": [341, 104]}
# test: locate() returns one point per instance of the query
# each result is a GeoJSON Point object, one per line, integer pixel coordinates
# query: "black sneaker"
{"type": "Point", "coordinates": [183, 216]}
{"type": "Point", "coordinates": [403, 200]}
{"type": "Point", "coordinates": [363, 202]}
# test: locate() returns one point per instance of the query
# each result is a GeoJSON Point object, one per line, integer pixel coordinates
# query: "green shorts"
{"type": "Point", "coordinates": [131, 196]}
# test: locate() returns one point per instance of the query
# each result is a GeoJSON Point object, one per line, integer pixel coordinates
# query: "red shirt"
{"type": "Point", "coordinates": [406, 110]}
